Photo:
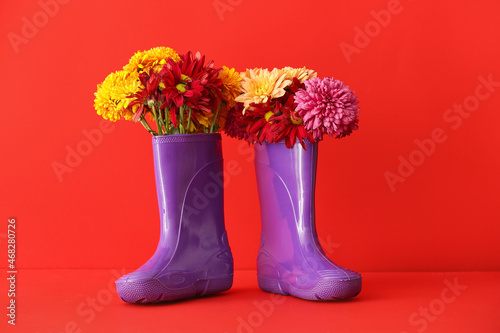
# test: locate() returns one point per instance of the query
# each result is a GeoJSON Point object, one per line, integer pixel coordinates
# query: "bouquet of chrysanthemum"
{"type": "Point", "coordinates": [179, 94]}
{"type": "Point", "coordinates": [291, 104]}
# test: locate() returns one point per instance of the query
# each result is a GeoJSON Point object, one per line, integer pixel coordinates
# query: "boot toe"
{"type": "Point", "coordinates": [134, 290]}
{"type": "Point", "coordinates": [335, 289]}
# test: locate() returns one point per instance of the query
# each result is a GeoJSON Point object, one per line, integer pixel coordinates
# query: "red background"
{"type": "Point", "coordinates": [407, 74]}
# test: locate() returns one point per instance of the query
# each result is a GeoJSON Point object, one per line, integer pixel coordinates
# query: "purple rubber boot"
{"type": "Point", "coordinates": [193, 257]}
{"type": "Point", "coordinates": [291, 260]}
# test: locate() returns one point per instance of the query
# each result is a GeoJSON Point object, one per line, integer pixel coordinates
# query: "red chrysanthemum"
{"type": "Point", "coordinates": [288, 126]}
{"type": "Point", "coordinates": [236, 125]}
{"type": "Point", "coordinates": [149, 93]}
{"type": "Point", "coordinates": [273, 121]}
{"type": "Point", "coordinates": [192, 84]}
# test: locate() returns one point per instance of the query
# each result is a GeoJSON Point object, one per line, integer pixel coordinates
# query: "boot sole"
{"type": "Point", "coordinates": [324, 290]}
{"type": "Point", "coordinates": [153, 291]}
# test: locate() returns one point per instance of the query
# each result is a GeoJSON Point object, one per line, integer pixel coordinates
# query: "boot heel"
{"type": "Point", "coordinates": [219, 285]}
{"type": "Point", "coordinates": [270, 285]}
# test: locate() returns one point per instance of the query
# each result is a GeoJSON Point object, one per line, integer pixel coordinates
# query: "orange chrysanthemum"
{"type": "Point", "coordinates": [301, 74]}
{"type": "Point", "coordinates": [260, 85]}
{"type": "Point", "coordinates": [231, 82]}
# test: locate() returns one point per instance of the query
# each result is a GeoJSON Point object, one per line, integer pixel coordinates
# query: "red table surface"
{"type": "Point", "coordinates": [56, 301]}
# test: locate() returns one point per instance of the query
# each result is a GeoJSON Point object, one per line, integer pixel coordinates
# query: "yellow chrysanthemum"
{"type": "Point", "coordinates": [231, 81]}
{"type": "Point", "coordinates": [154, 58]}
{"type": "Point", "coordinates": [300, 73]}
{"type": "Point", "coordinates": [222, 117]}
{"type": "Point", "coordinates": [204, 118]}
{"type": "Point", "coordinates": [260, 85]}
{"type": "Point", "coordinates": [111, 100]}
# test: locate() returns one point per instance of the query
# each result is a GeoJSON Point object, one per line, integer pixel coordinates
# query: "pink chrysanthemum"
{"type": "Point", "coordinates": [327, 106]}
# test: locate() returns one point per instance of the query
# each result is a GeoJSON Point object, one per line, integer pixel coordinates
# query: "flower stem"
{"type": "Point", "coordinates": [215, 118]}
{"type": "Point", "coordinates": [160, 119]}
{"type": "Point", "coordinates": [146, 126]}
{"type": "Point", "coordinates": [167, 126]}
{"type": "Point", "coordinates": [181, 120]}
{"type": "Point", "coordinates": [220, 113]}
{"type": "Point", "coordinates": [189, 120]}
{"type": "Point", "coordinates": [158, 126]}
